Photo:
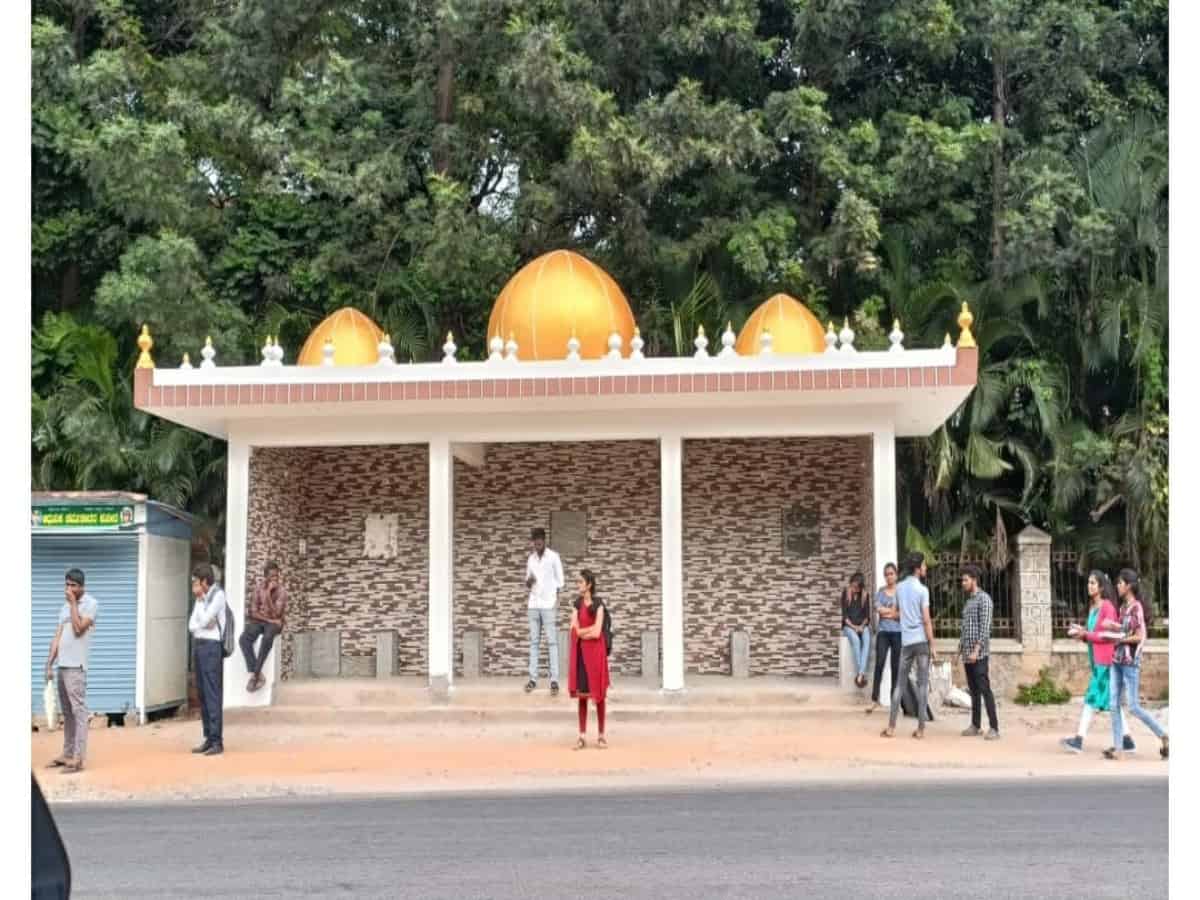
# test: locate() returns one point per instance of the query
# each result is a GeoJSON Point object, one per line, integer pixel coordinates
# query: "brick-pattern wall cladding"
{"type": "Point", "coordinates": [323, 494]}
{"type": "Point", "coordinates": [1069, 669]}
{"type": "Point", "coordinates": [346, 590]}
{"type": "Point", "coordinates": [736, 576]}
{"type": "Point", "coordinates": [274, 530]}
{"type": "Point", "coordinates": [616, 484]}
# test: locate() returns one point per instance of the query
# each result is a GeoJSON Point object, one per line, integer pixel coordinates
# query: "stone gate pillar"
{"type": "Point", "coordinates": [1033, 595]}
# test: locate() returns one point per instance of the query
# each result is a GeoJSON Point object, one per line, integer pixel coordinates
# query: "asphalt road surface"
{"type": "Point", "coordinates": [1033, 839]}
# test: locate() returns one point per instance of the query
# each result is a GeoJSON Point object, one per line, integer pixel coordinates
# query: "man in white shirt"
{"type": "Point", "coordinates": [544, 578]}
{"type": "Point", "coordinates": [72, 640]}
{"type": "Point", "coordinates": [207, 624]}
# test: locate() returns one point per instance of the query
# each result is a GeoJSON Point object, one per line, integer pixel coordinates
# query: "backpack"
{"type": "Point", "coordinates": [228, 640]}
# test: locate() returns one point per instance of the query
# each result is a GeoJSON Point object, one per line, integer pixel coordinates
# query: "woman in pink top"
{"type": "Point", "coordinates": [1126, 662]}
{"type": "Point", "coordinates": [1100, 653]}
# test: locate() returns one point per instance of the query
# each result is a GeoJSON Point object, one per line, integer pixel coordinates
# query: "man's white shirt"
{"type": "Point", "coordinates": [208, 615]}
{"type": "Point", "coordinates": [548, 575]}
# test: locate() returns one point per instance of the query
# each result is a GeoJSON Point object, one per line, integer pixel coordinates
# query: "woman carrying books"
{"type": "Point", "coordinates": [1127, 658]}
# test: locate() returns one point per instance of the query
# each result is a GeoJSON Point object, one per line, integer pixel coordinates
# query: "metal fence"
{"type": "Point", "coordinates": [1069, 598]}
{"type": "Point", "coordinates": [946, 598]}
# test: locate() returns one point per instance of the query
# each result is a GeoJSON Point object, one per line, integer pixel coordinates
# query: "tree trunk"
{"type": "Point", "coordinates": [445, 104]}
{"type": "Point", "coordinates": [999, 118]}
{"type": "Point", "coordinates": [68, 294]}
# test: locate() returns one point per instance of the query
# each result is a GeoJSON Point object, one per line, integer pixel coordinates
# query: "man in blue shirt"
{"type": "Point", "coordinates": [916, 642]}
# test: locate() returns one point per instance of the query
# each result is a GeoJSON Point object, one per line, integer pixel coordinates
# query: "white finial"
{"type": "Point", "coordinates": [327, 352]}
{"type": "Point", "coordinates": [831, 340]}
{"type": "Point", "coordinates": [387, 353]}
{"type": "Point", "coordinates": [187, 363]}
{"type": "Point", "coordinates": [511, 348]}
{"type": "Point", "coordinates": [847, 337]}
{"type": "Point", "coordinates": [701, 344]}
{"type": "Point", "coordinates": [449, 349]}
{"type": "Point", "coordinates": [496, 346]}
{"type": "Point", "coordinates": [266, 352]}
{"type": "Point", "coordinates": [636, 345]}
{"type": "Point", "coordinates": [209, 353]}
{"type": "Point", "coordinates": [614, 345]}
{"type": "Point", "coordinates": [728, 339]}
{"type": "Point", "coordinates": [573, 348]}
{"type": "Point", "coordinates": [766, 343]}
{"type": "Point", "coordinates": [277, 352]}
{"type": "Point", "coordinates": [897, 338]}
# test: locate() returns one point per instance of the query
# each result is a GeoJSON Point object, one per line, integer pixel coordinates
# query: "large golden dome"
{"type": "Point", "coordinates": [355, 340]}
{"type": "Point", "coordinates": [794, 330]}
{"type": "Point", "coordinates": [559, 293]}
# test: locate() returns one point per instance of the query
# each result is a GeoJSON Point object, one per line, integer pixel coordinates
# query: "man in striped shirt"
{"type": "Point", "coordinates": [974, 646]}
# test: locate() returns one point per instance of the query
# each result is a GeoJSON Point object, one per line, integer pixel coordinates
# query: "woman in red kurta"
{"type": "Point", "coordinates": [587, 671]}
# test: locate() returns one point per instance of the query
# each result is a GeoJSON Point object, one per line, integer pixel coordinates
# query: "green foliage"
{"type": "Point", "coordinates": [244, 169]}
{"type": "Point", "coordinates": [1043, 692]}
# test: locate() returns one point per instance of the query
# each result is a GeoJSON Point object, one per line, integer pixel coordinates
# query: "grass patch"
{"type": "Point", "coordinates": [1043, 692]}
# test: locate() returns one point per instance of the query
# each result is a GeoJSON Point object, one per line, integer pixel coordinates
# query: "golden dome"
{"type": "Point", "coordinates": [355, 340]}
{"type": "Point", "coordinates": [794, 330]}
{"type": "Point", "coordinates": [558, 294]}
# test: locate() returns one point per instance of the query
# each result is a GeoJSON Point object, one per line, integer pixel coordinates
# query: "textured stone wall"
{"type": "Point", "coordinates": [1009, 670]}
{"type": "Point", "coordinates": [348, 591]}
{"type": "Point", "coordinates": [736, 576]}
{"type": "Point", "coordinates": [274, 529]}
{"type": "Point", "coordinates": [323, 495]}
{"type": "Point", "coordinates": [616, 484]}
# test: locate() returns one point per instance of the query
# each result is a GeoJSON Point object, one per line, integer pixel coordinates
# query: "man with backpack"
{"type": "Point", "coordinates": [209, 624]}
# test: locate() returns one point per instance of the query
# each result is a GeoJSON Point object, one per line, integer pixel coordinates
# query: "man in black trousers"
{"type": "Point", "coordinates": [207, 624]}
{"type": "Point", "coordinates": [974, 646]}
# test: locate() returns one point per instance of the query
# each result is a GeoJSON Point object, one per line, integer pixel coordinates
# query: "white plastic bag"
{"type": "Point", "coordinates": [50, 703]}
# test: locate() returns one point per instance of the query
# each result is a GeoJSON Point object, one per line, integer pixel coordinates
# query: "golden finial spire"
{"type": "Point", "coordinates": [450, 336]}
{"type": "Point", "coordinates": [831, 329]}
{"type": "Point", "coordinates": [187, 361]}
{"type": "Point", "coordinates": [637, 332]}
{"type": "Point", "coordinates": [145, 344]}
{"type": "Point", "coordinates": [700, 331]}
{"type": "Point", "coordinates": [387, 338]}
{"type": "Point", "coordinates": [947, 343]}
{"type": "Point", "coordinates": [965, 321]}
{"type": "Point", "coordinates": [208, 341]}
{"type": "Point", "coordinates": [896, 324]}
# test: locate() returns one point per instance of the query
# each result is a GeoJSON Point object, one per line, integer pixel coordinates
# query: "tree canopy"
{"type": "Point", "coordinates": [243, 168]}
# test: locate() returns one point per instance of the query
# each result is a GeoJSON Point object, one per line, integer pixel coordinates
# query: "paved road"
{"type": "Point", "coordinates": [1027, 839]}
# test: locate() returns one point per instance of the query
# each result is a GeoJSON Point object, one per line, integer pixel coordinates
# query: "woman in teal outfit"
{"type": "Point", "coordinates": [1100, 654]}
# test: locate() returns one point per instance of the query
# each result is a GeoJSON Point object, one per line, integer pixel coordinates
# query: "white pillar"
{"type": "Point", "coordinates": [672, 562]}
{"type": "Point", "coordinates": [237, 511]}
{"type": "Point", "coordinates": [441, 566]}
{"type": "Point", "coordinates": [883, 495]}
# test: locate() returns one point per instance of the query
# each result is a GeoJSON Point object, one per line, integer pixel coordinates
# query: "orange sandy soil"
{"type": "Point", "coordinates": [152, 763]}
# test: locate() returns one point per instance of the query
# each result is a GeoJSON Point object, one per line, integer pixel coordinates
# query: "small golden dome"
{"type": "Point", "coordinates": [794, 330]}
{"type": "Point", "coordinates": [558, 295]}
{"type": "Point", "coordinates": [355, 340]}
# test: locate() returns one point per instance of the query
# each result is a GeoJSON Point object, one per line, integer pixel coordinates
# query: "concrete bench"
{"type": "Point", "coordinates": [739, 654]}
{"type": "Point", "coordinates": [387, 645]}
{"type": "Point", "coordinates": [472, 653]}
{"type": "Point", "coordinates": [650, 666]}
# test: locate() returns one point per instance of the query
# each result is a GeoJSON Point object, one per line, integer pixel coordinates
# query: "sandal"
{"type": "Point", "coordinates": [1111, 753]}
{"type": "Point", "coordinates": [530, 685]}
{"type": "Point", "coordinates": [919, 734]}
{"type": "Point", "coordinates": [870, 709]}
{"type": "Point", "coordinates": [888, 732]}
{"type": "Point", "coordinates": [1165, 750]}
{"type": "Point", "coordinates": [57, 762]}
{"type": "Point", "coordinates": [601, 744]}
{"type": "Point", "coordinates": [580, 744]}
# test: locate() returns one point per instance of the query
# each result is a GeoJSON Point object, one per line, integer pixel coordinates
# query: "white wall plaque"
{"type": "Point", "coordinates": [381, 536]}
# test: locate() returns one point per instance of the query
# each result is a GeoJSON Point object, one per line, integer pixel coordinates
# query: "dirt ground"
{"type": "Point", "coordinates": [152, 763]}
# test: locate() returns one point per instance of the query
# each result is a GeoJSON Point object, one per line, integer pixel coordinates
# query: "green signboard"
{"type": "Point", "coordinates": [82, 516]}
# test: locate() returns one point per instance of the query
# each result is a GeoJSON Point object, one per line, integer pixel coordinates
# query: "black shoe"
{"type": "Point", "coordinates": [203, 748]}
{"type": "Point", "coordinates": [1128, 745]}
{"type": "Point", "coordinates": [215, 750]}
{"type": "Point", "coordinates": [530, 685]}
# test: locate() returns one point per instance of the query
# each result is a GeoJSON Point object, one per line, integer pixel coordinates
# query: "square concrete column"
{"type": "Point", "coordinates": [1033, 594]}
{"type": "Point", "coordinates": [650, 653]}
{"type": "Point", "coordinates": [441, 567]}
{"type": "Point", "coordinates": [672, 561]}
{"type": "Point", "coordinates": [883, 499]}
{"type": "Point", "coordinates": [237, 513]}
{"type": "Point", "coordinates": [472, 653]}
{"type": "Point", "coordinates": [564, 653]}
